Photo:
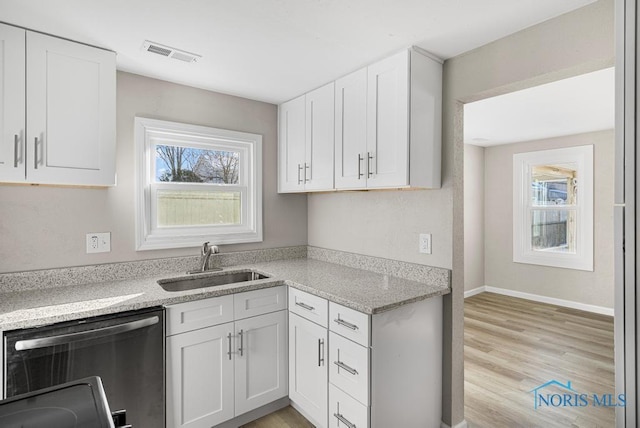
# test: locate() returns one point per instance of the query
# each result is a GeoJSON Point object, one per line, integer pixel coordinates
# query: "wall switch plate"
{"type": "Point", "coordinates": [425, 243]}
{"type": "Point", "coordinates": [98, 242]}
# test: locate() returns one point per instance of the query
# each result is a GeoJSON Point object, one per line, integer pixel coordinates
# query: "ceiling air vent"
{"type": "Point", "coordinates": [170, 52]}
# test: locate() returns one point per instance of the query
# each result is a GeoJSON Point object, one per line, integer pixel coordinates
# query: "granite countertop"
{"type": "Point", "coordinates": [362, 290]}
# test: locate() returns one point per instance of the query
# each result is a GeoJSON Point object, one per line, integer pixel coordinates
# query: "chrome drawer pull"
{"type": "Point", "coordinates": [320, 352]}
{"type": "Point", "coordinates": [241, 342]}
{"type": "Point", "coordinates": [299, 169]}
{"type": "Point", "coordinates": [35, 153]}
{"type": "Point", "coordinates": [15, 151]}
{"type": "Point", "coordinates": [344, 420]}
{"type": "Point", "coordinates": [229, 337]}
{"type": "Point", "coordinates": [345, 367]}
{"type": "Point", "coordinates": [305, 306]}
{"type": "Point", "coordinates": [345, 324]}
{"type": "Point", "coordinates": [360, 159]}
{"type": "Point", "coordinates": [369, 159]}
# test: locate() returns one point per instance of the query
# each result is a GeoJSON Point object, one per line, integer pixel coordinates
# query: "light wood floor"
{"type": "Point", "coordinates": [284, 418]}
{"type": "Point", "coordinates": [514, 345]}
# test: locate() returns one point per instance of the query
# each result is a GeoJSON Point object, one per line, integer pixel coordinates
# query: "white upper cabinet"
{"type": "Point", "coordinates": [319, 139]}
{"type": "Point", "coordinates": [291, 145]}
{"type": "Point", "coordinates": [70, 112]}
{"type": "Point", "coordinates": [387, 129]}
{"type": "Point", "coordinates": [305, 146]}
{"type": "Point", "coordinates": [67, 135]}
{"type": "Point", "coordinates": [388, 122]}
{"type": "Point", "coordinates": [12, 103]}
{"type": "Point", "coordinates": [400, 98]}
{"type": "Point", "coordinates": [351, 130]}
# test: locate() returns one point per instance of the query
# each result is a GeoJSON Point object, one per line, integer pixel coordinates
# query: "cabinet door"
{"type": "Point", "coordinates": [71, 112]}
{"type": "Point", "coordinates": [308, 375]}
{"type": "Point", "coordinates": [318, 164]}
{"type": "Point", "coordinates": [351, 130]}
{"type": "Point", "coordinates": [291, 145]}
{"type": "Point", "coordinates": [388, 122]}
{"type": "Point", "coordinates": [200, 377]}
{"type": "Point", "coordinates": [12, 107]}
{"type": "Point", "coordinates": [261, 360]}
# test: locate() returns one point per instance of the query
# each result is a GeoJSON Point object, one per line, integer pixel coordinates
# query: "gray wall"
{"type": "Point", "coordinates": [474, 212]}
{"type": "Point", "coordinates": [593, 288]}
{"type": "Point", "coordinates": [571, 44]}
{"type": "Point", "coordinates": [44, 227]}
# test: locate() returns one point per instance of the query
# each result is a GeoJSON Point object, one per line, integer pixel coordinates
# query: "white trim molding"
{"type": "Point", "coordinates": [152, 132]}
{"type": "Point", "coordinates": [462, 424]}
{"type": "Point", "coordinates": [580, 256]}
{"type": "Point", "coordinates": [474, 291]}
{"type": "Point", "coordinates": [602, 310]}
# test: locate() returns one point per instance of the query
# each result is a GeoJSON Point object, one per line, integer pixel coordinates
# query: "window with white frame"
{"type": "Point", "coordinates": [553, 208]}
{"type": "Point", "coordinates": [196, 184]}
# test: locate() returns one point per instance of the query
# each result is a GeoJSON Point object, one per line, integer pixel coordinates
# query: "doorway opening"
{"type": "Point", "coordinates": [539, 324]}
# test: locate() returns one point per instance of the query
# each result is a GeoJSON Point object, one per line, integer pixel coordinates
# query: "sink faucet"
{"type": "Point", "coordinates": [205, 255]}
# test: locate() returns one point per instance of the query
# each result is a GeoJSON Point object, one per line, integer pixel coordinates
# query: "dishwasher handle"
{"type": "Point", "coordinates": [43, 342]}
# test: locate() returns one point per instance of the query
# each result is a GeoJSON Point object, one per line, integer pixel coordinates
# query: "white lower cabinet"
{"type": "Point", "coordinates": [218, 372]}
{"type": "Point", "coordinates": [200, 377]}
{"type": "Point", "coordinates": [346, 411]}
{"type": "Point", "coordinates": [384, 370]}
{"type": "Point", "coordinates": [261, 360]}
{"type": "Point", "coordinates": [308, 376]}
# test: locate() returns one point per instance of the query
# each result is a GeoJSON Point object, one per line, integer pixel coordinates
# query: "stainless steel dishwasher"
{"type": "Point", "coordinates": [126, 350]}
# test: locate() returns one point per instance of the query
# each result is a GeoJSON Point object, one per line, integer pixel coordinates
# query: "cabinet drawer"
{"type": "Point", "coordinates": [258, 302]}
{"type": "Point", "coordinates": [344, 410]}
{"type": "Point", "coordinates": [199, 314]}
{"type": "Point", "coordinates": [349, 323]}
{"type": "Point", "coordinates": [308, 306]}
{"type": "Point", "coordinates": [349, 367]}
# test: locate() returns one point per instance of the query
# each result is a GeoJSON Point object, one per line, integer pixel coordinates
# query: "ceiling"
{"type": "Point", "coordinates": [274, 50]}
{"type": "Point", "coordinates": [580, 104]}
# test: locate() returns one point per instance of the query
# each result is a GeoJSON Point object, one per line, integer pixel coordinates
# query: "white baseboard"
{"type": "Point", "coordinates": [474, 291]}
{"type": "Point", "coordinates": [462, 424]}
{"type": "Point", "coordinates": [542, 299]}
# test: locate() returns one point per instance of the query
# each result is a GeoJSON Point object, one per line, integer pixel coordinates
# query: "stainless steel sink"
{"type": "Point", "coordinates": [184, 284]}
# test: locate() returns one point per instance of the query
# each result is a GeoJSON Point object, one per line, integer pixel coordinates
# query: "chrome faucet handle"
{"type": "Point", "coordinates": [205, 248]}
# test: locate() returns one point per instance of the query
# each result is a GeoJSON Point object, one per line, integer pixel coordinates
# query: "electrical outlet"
{"type": "Point", "coordinates": [424, 243]}
{"type": "Point", "coordinates": [98, 242]}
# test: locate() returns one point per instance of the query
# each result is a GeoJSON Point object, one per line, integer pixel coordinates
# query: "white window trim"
{"type": "Point", "coordinates": [148, 236]}
{"type": "Point", "coordinates": [522, 205]}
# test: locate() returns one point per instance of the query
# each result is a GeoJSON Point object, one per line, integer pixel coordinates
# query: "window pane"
{"type": "Point", "coordinates": [554, 184]}
{"type": "Point", "coordinates": [553, 230]}
{"type": "Point", "coordinates": [186, 164]}
{"type": "Point", "coordinates": [197, 208]}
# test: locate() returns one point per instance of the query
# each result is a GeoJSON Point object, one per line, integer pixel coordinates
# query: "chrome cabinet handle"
{"type": "Point", "coordinates": [241, 342]}
{"type": "Point", "coordinates": [306, 167]}
{"type": "Point", "coordinates": [360, 159]}
{"type": "Point", "coordinates": [299, 169]}
{"type": "Point", "coordinates": [320, 352]}
{"type": "Point", "coordinates": [345, 324]}
{"type": "Point", "coordinates": [63, 339]}
{"type": "Point", "coordinates": [345, 367]}
{"type": "Point", "coordinates": [35, 154]}
{"type": "Point", "coordinates": [305, 306]}
{"type": "Point", "coordinates": [344, 420]}
{"type": "Point", "coordinates": [369, 159]}
{"type": "Point", "coordinates": [15, 150]}
{"type": "Point", "coordinates": [229, 352]}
